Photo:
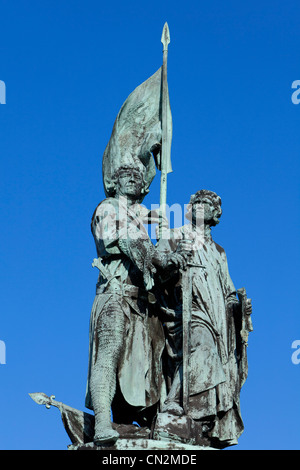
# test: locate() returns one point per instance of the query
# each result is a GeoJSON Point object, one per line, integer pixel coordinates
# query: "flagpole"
{"type": "Point", "coordinates": [165, 39]}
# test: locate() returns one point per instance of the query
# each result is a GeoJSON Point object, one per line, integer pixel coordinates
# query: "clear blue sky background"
{"type": "Point", "coordinates": [68, 67]}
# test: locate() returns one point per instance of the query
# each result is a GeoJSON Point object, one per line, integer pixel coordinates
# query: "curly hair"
{"type": "Point", "coordinates": [116, 175]}
{"type": "Point", "coordinates": [204, 195]}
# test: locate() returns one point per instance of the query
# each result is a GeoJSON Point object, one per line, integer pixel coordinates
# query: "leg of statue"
{"type": "Point", "coordinates": [174, 398]}
{"type": "Point", "coordinates": [110, 336]}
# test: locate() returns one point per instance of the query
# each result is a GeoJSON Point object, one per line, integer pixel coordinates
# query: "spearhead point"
{"type": "Point", "coordinates": [165, 37]}
{"type": "Point", "coordinates": [40, 398]}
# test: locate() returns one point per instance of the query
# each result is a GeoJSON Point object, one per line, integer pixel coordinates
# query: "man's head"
{"type": "Point", "coordinates": [129, 182]}
{"type": "Point", "coordinates": [205, 204]}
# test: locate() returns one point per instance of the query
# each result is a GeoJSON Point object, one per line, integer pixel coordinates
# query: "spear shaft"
{"type": "Point", "coordinates": [165, 39]}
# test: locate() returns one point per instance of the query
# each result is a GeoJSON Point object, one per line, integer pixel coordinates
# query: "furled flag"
{"type": "Point", "coordinates": [137, 134]}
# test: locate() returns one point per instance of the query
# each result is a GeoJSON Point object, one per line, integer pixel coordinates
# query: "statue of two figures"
{"type": "Point", "coordinates": [168, 333]}
{"type": "Point", "coordinates": [168, 330]}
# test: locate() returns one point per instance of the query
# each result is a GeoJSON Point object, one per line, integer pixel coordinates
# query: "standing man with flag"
{"type": "Point", "coordinates": [126, 335]}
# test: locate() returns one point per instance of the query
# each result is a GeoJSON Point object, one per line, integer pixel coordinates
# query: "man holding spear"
{"type": "Point", "coordinates": [126, 334]}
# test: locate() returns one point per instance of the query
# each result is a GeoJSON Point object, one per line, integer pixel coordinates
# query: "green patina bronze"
{"type": "Point", "coordinates": [168, 329]}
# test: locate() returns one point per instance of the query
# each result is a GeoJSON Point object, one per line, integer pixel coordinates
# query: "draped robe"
{"type": "Point", "coordinates": [214, 382]}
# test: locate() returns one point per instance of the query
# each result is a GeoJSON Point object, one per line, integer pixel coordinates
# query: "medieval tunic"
{"type": "Point", "coordinates": [124, 250]}
{"type": "Point", "coordinates": [213, 369]}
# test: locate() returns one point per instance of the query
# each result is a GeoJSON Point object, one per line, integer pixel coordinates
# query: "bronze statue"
{"type": "Point", "coordinates": [168, 330]}
{"type": "Point", "coordinates": [216, 363]}
{"type": "Point", "coordinates": [126, 334]}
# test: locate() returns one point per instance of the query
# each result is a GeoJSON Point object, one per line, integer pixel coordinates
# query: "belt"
{"type": "Point", "coordinates": [129, 291]}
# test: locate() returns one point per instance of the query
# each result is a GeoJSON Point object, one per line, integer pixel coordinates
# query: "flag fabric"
{"type": "Point", "coordinates": [137, 134]}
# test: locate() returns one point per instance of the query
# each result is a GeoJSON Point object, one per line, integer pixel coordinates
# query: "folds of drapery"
{"type": "Point", "coordinates": [137, 134]}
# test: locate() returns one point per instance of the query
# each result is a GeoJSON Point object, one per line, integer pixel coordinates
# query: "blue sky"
{"type": "Point", "coordinates": [68, 67]}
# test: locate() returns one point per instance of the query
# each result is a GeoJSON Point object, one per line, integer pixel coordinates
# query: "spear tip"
{"type": "Point", "coordinates": [165, 37]}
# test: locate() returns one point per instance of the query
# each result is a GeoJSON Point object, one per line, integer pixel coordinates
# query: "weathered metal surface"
{"type": "Point", "coordinates": [166, 351]}
{"type": "Point", "coordinates": [186, 340]}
